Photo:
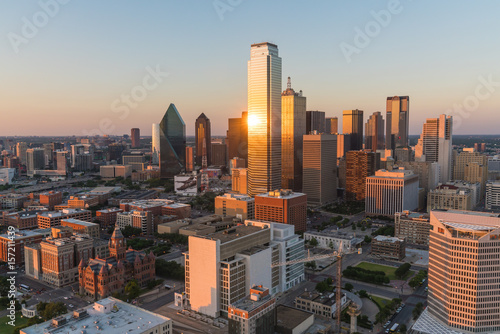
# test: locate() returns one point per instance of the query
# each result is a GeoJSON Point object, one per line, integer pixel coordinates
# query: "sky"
{"type": "Point", "coordinates": [102, 67]}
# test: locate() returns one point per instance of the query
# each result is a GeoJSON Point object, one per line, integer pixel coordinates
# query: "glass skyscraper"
{"type": "Point", "coordinates": [264, 119]}
{"type": "Point", "coordinates": [172, 143]}
{"type": "Point", "coordinates": [398, 122]}
{"type": "Point", "coordinates": [155, 147]}
{"type": "Point", "coordinates": [352, 124]}
{"type": "Point", "coordinates": [202, 128]}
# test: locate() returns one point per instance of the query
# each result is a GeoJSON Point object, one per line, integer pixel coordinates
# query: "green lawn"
{"type": "Point", "coordinates": [5, 328]}
{"type": "Point", "coordinates": [381, 302]}
{"type": "Point", "coordinates": [389, 271]}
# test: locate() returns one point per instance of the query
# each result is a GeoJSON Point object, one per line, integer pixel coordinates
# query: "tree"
{"type": "Point", "coordinates": [132, 289]}
{"type": "Point", "coordinates": [330, 245]}
{"type": "Point", "coordinates": [402, 270]}
{"type": "Point", "coordinates": [367, 239]}
{"type": "Point", "coordinates": [129, 231]}
{"type": "Point", "coordinates": [51, 310]}
{"type": "Point", "coordinates": [311, 265]}
{"type": "Point", "coordinates": [403, 329]}
{"type": "Point", "coordinates": [313, 242]}
{"type": "Point", "coordinates": [348, 287]}
{"type": "Point", "coordinates": [354, 227]}
{"type": "Point", "coordinates": [417, 310]}
{"type": "Point", "coordinates": [322, 287]}
{"type": "Point", "coordinates": [362, 294]}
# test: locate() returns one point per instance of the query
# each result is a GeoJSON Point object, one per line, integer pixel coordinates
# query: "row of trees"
{"type": "Point", "coordinates": [169, 269]}
{"type": "Point", "coordinates": [384, 230]}
{"type": "Point", "coordinates": [418, 278]}
{"type": "Point", "coordinates": [387, 310]}
{"type": "Point", "coordinates": [365, 275]}
{"type": "Point", "coordinates": [173, 238]}
{"type": "Point", "coordinates": [402, 270]}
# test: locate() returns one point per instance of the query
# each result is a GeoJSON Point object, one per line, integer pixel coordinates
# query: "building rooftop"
{"type": "Point", "coordinates": [110, 210]}
{"type": "Point", "coordinates": [414, 215]}
{"type": "Point", "coordinates": [281, 193]}
{"type": "Point", "coordinates": [234, 233]}
{"type": "Point", "coordinates": [79, 222]}
{"type": "Point", "coordinates": [177, 205]}
{"type": "Point", "coordinates": [394, 174]}
{"type": "Point", "coordinates": [64, 212]}
{"type": "Point", "coordinates": [21, 234]}
{"type": "Point", "coordinates": [468, 218]}
{"type": "Point", "coordinates": [238, 197]}
{"type": "Point", "coordinates": [324, 299]}
{"type": "Point", "coordinates": [383, 238]}
{"type": "Point", "coordinates": [110, 316]}
{"type": "Point", "coordinates": [289, 317]}
{"type": "Point", "coordinates": [248, 304]}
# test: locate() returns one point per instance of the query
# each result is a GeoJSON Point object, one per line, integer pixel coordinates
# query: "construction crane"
{"type": "Point", "coordinates": [338, 254]}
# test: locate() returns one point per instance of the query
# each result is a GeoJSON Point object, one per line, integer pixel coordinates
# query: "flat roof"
{"type": "Point", "coordinates": [79, 222]}
{"type": "Point", "coordinates": [124, 318]}
{"type": "Point", "coordinates": [177, 205]}
{"type": "Point", "coordinates": [233, 233]}
{"type": "Point", "coordinates": [110, 210]}
{"type": "Point", "coordinates": [482, 219]}
{"type": "Point", "coordinates": [21, 234]}
{"type": "Point", "coordinates": [247, 304]}
{"type": "Point", "coordinates": [289, 317]}
{"type": "Point", "coordinates": [282, 193]}
{"type": "Point", "coordinates": [385, 238]}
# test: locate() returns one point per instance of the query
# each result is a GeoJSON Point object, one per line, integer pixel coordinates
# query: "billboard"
{"type": "Point", "coordinates": [187, 184]}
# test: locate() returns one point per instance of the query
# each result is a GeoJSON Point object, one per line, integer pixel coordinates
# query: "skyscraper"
{"type": "Point", "coordinates": [21, 148]}
{"type": "Point", "coordinates": [315, 121]}
{"type": "Point", "coordinates": [359, 166]}
{"type": "Point", "coordinates": [320, 168]}
{"type": "Point", "coordinates": [352, 124]}
{"type": "Point", "coordinates": [332, 125]}
{"type": "Point", "coordinates": [155, 146]}
{"type": "Point", "coordinates": [135, 135]}
{"type": "Point", "coordinates": [398, 122]}
{"type": "Point", "coordinates": [237, 137]}
{"type": "Point", "coordinates": [34, 160]}
{"type": "Point", "coordinates": [172, 143]}
{"type": "Point", "coordinates": [189, 159]}
{"type": "Point", "coordinates": [435, 145]}
{"type": "Point", "coordinates": [264, 119]}
{"type": "Point", "coordinates": [374, 132]}
{"type": "Point", "coordinates": [293, 127]}
{"type": "Point", "coordinates": [202, 134]}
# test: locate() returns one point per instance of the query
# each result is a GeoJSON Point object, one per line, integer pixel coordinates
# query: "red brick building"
{"type": "Point", "coordinates": [177, 209]}
{"type": "Point", "coordinates": [103, 277]}
{"type": "Point", "coordinates": [107, 217]}
{"type": "Point", "coordinates": [21, 238]}
{"type": "Point", "coordinates": [51, 199]}
{"type": "Point", "coordinates": [282, 206]}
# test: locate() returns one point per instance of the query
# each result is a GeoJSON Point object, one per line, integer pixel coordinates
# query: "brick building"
{"type": "Point", "coordinates": [20, 239]}
{"type": "Point", "coordinates": [282, 206]}
{"type": "Point", "coordinates": [389, 247]}
{"type": "Point", "coordinates": [107, 217]}
{"type": "Point", "coordinates": [99, 278]}
{"type": "Point", "coordinates": [51, 219]}
{"type": "Point", "coordinates": [50, 199]}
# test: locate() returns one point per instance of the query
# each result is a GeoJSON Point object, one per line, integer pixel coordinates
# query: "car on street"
{"type": "Point", "coordinates": [387, 324]}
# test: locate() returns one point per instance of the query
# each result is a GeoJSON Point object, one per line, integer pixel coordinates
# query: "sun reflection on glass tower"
{"type": "Point", "coordinates": [264, 119]}
{"type": "Point", "coordinates": [172, 143]}
{"type": "Point", "coordinates": [398, 122]}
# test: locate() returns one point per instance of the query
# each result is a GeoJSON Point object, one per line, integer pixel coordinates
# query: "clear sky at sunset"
{"type": "Point", "coordinates": [71, 68]}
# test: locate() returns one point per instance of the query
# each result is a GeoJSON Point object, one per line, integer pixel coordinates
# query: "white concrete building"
{"type": "Point", "coordinates": [492, 196]}
{"type": "Point", "coordinates": [221, 267]}
{"type": "Point", "coordinates": [330, 240]}
{"type": "Point", "coordinates": [388, 192]}
{"type": "Point", "coordinates": [7, 175]}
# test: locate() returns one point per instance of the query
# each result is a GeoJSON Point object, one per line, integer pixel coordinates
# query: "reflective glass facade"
{"type": "Point", "coordinates": [172, 143]}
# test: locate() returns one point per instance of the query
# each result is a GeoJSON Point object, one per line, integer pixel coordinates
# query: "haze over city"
{"type": "Point", "coordinates": [67, 74]}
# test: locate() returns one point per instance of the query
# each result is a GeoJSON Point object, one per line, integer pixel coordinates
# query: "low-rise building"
{"type": "Point", "coordinates": [492, 196]}
{"type": "Point", "coordinates": [323, 305]}
{"type": "Point", "coordinates": [12, 201]}
{"type": "Point", "coordinates": [83, 201]}
{"type": "Point", "coordinates": [22, 220]}
{"type": "Point", "coordinates": [12, 250]}
{"type": "Point", "coordinates": [113, 171]}
{"type": "Point", "coordinates": [50, 199]}
{"type": "Point", "coordinates": [177, 209]}
{"type": "Point", "coordinates": [107, 217]}
{"type": "Point", "coordinates": [109, 315]}
{"type": "Point", "coordinates": [389, 247]}
{"type": "Point", "coordinates": [138, 219]}
{"type": "Point", "coordinates": [240, 206]}
{"type": "Point", "coordinates": [50, 218]}
{"type": "Point", "coordinates": [332, 240]}
{"type": "Point", "coordinates": [290, 320]}
{"type": "Point", "coordinates": [282, 206]}
{"type": "Point", "coordinates": [82, 227]}
{"type": "Point", "coordinates": [253, 314]}
{"type": "Point", "coordinates": [414, 227]}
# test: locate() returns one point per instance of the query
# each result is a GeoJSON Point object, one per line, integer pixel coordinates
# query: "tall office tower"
{"type": "Point", "coordinates": [359, 166]}
{"type": "Point", "coordinates": [374, 132]}
{"type": "Point", "coordinates": [315, 121]}
{"type": "Point", "coordinates": [480, 147]}
{"type": "Point", "coordinates": [319, 181]}
{"type": "Point", "coordinates": [172, 143]}
{"type": "Point", "coordinates": [398, 122]}
{"type": "Point", "coordinates": [219, 154]}
{"type": "Point", "coordinates": [239, 180]}
{"type": "Point", "coordinates": [343, 144]}
{"type": "Point", "coordinates": [428, 172]}
{"type": "Point", "coordinates": [463, 274]}
{"type": "Point", "coordinates": [264, 119]}
{"type": "Point", "coordinates": [82, 157]}
{"type": "Point", "coordinates": [202, 133]}
{"type": "Point", "coordinates": [332, 125]}
{"type": "Point", "coordinates": [293, 127]}
{"type": "Point", "coordinates": [492, 201]}
{"type": "Point", "coordinates": [282, 206]}
{"type": "Point", "coordinates": [388, 192]}
{"type": "Point", "coordinates": [135, 135]}
{"type": "Point", "coordinates": [352, 124]}
{"type": "Point", "coordinates": [237, 137]}
{"type": "Point", "coordinates": [465, 157]}
{"type": "Point", "coordinates": [62, 161]}
{"type": "Point", "coordinates": [47, 154]}
{"type": "Point", "coordinates": [222, 266]}
{"type": "Point", "coordinates": [21, 148]}
{"type": "Point", "coordinates": [476, 172]}
{"type": "Point", "coordinates": [189, 159]}
{"type": "Point", "coordinates": [35, 159]}
{"type": "Point", "coordinates": [435, 145]}
{"type": "Point", "coordinates": [155, 143]}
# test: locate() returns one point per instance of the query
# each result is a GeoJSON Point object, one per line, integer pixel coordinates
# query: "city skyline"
{"type": "Point", "coordinates": [46, 87]}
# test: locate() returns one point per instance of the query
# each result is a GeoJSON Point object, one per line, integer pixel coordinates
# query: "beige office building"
{"type": "Point", "coordinates": [467, 156]}
{"type": "Point", "coordinates": [449, 197]}
{"type": "Point", "coordinates": [477, 172]}
{"type": "Point", "coordinates": [240, 206]}
{"type": "Point", "coordinates": [464, 267]}
{"type": "Point", "coordinates": [239, 180]}
{"type": "Point", "coordinates": [320, 168]}
{"type": "Point", "coordinates": [413, 227]}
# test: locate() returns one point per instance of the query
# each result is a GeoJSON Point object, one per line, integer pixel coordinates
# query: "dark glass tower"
{"type": "Point", "coordinates": [398, 119]}
{"type": "Point", "coordinates": [203, 133]}
{"type": "Point", "coordinates": [172, 143]}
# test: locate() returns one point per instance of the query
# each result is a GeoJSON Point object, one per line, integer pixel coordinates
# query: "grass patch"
{"type": "Point", "coordinates": [389, 271]}
{"type": "Point", "coordinates": [5, 328]}
{"type": "Point", "coordinates": [380, 302]}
